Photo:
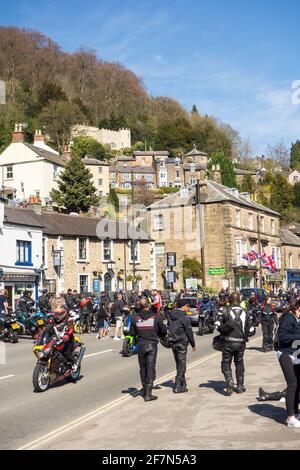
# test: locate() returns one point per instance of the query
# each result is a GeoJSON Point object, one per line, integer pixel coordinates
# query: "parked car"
{"type": "Point", "coordinates": [193, 313]}
{"type": "Point", "coordinates": [261, 294]}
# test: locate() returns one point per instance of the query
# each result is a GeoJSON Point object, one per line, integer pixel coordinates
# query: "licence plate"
{"type": "Point", "coordinates": [40, 322]}
{"type": "Point", "coordinates": [15, 326]}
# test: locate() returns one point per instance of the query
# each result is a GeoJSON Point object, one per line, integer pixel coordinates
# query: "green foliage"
{"type": "Point", "coordinates": [168, 190]}
{"type": "Point", "coordinates": [296, 191]}
{"type": "Point", "coordinates": [113, 199]}
{"type": "Point", "coordinates": [76, 192]}
{"type": "Point", "coordinates": [247, 185]}
{"type": "Point", "coordinates": [88, 147]}
{"type": "Point", "coordinates": [227, 168]}
{"type": "Point", "coordinates": [281, 196]}
{"type": "Point", "coordinates": [295, 156]}
{"type": "Point", "coordinates": [191, 268]}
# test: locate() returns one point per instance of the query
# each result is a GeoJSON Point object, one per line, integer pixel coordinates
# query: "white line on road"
{"type": "Point", "coordinates": [6, 377]}
{"type": "Point", "coordinates": [97, 353]}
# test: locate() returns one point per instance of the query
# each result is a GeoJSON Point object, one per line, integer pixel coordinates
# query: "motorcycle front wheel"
{"type": "Point", "coordinates": [41, 378]}
{"type": "Point", "coordinates": [127, 348]}
{"type": "Point", "coordinates": [200, 329]}
{"type": "Point", "coordinates": [13, 336]}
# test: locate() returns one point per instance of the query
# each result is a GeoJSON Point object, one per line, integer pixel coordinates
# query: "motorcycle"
{"type": "Point", "coordinates": [74, 314]}
{"type": "Point", "coordinates": [31, 325]}
{"type": "Point", "coordinates": [9, 328]}
{"type": "Point", "coordinates": [206, 322]}
{"type": "Point", "coordinates": [129, 344]}
{"type": "Point", "coordinates": [52, 366]}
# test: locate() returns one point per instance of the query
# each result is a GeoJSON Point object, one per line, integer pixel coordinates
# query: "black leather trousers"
{"type": "Point", "coordinates": [180, 353]}
{"type": "Point", "coordinates": [233, 351]}
{"type": "Point", "coordinates": [147, 354]}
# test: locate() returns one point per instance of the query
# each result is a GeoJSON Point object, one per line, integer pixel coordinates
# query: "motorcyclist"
{"type": "Point", "coordinates": [86, 309]}
{"type": "Point", "coordinates": [268, 321]}
{"type": "Point", "coordinates": [146, 327]}
{"type": "Point", "coordinates": [44, 302]}
{"type": "Point", "coordinates": [26, 303]}
{"type": "Point", "coordinates": [70, 300]}
{"type": "Point", "coordinates": [254, 308]}
{"type": "Point", "coordinates": [235, 326]}
{"type": "Point", "coordinates": [63, 328]}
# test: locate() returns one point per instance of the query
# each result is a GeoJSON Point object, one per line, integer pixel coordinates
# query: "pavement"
{"type": "Point", "coordinates": [107, 378]}
{"type": "Point", "coordinates": [204, 418]}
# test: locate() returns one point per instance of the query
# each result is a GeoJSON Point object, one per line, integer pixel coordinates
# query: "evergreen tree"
{"type": "Point", "coordinates": [195, 109]}
{"type": "Point", "coordinates": [113, 200]}
{"type": "Point", "coordinates": [282, 196]}
{"type": "Point", "coordinates": [295, 156]}
{"type": "Point", "coordinates": [297, 195]}
{"type": "Point", "coordinates": [247, 185]}
{"type": "Point", "coordinates": [76, 192]}
{"type": "Point", "coordinates": [227, 169]}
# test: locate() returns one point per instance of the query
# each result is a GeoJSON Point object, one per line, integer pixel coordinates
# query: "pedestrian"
{"type": "Point", "coordinates": [268, 321]}
{"type": "Point", "coordinates": [181, 335]}
{"type": "Point", "coordinates": [157, 301]}
{"type": "Point", "coordinates": [146, 328]}
{"type": "Point", "coordinates": [288, 355]}
{"type": "Point", "coordinates": [3, 303]}
{"type": "Point", "coordinates": [70, 300]}
{"type": "Point", "coordinates": [235, 326]}
{"type": "Point", "coordinates": [117, 311]}
{"type": "Point", "coordinates": [102, 321]}
{"type": "Point", "coordinates": [44, 302]}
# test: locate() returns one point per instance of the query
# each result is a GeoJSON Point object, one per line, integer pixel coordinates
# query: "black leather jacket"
{"type": "Point", "coordinates": [234, 324]}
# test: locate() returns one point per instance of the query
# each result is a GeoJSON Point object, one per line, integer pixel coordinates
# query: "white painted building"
{"type": "Point", "coordinates": [294, 177]}
{"type": "Point", "coordinates": [29, 171]}
{"type": "Point", "coordinates": [21, 252]}
{"type": "Point", "coordinates": [118, 140]}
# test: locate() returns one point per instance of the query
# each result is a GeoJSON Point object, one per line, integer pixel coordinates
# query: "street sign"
{"type": "Point", "coordinates": [191, 283]}
{"type": "Point", "coordinates": [171, 260]}
{"type": "Point", "coordinates": [171, 277]}
{"type": "Point", "coordinates": [216, 271]}
{"type": "Point", "coordinates": [56, 258]}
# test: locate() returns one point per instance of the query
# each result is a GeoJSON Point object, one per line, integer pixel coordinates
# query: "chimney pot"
{"type": "Point", "coordinates": [38, 137]}
{"type": "Point", "coordinates": [18, 134]}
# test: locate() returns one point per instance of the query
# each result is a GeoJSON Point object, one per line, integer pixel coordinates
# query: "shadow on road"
{"type": "Point", "coordinates": [267, 410]}
{"type": "Point", "coordinates": [134, 392]}
{"type": "Point", "coordinates": [62, 383]}
{"type": "Point", "coordinates": [217, 386]}
{"type": "Point", "coordinates": [168, 384]}
{"type": "Point", "coordinates": [255, 349]}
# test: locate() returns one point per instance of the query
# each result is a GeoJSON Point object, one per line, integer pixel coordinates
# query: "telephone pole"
{"type": "Point", "coordinates": [201, 231]}
{"type": "Point", "coordinates": [260, 251]}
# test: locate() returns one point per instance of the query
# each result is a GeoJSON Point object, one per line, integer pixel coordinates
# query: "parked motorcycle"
{"type": "Point", "coordinates": [31, 325]}
{"type": "Point", "coordinates": [9, 328]}
{"type": "Point", "coordinates": [129, 344]}
{"type": "Point", "coordinates": [75, 315]}
{"type": "Point", "coordinates": [52, 365]}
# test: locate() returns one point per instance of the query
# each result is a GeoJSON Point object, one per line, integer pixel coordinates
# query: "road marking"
{"type": "Point", "coordinates": [93, 414]}
{"type": "Point", "coordinates": [6, 377]}
{"type": "Point", "coordinates": [97, 353]}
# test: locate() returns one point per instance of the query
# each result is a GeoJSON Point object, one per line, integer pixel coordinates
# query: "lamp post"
{"type": "Point", "coordinates": [201, 231]}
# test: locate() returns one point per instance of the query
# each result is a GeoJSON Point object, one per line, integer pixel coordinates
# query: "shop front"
{"type": "Point", "coordinates": [15, 283]}
{"type": "Point", "coordinates": [293, 278]}
{"type": "Point", "coordinates": [245, 277]}
{"type": "Point", "coordinates": [274, 281]}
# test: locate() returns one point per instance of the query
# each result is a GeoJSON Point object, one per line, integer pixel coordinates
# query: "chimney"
{"type": "Point", "coordinates": [67, 152]}
{"type": "Point", "coordinates": [39, 140]}
{"type": "Point", "coordinates": [216, 174]}
{"type": "Point", "coordinates": [18, 134]}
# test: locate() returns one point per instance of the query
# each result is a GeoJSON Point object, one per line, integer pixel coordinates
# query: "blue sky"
{"type": "Point", "coordinates": [235, 59]}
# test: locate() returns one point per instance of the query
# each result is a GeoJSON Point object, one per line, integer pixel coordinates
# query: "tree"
{"type": "Point", "coordinates": [113, 200]}
{"type": "Point", "coordinates": [76, 192]}
{"type": "Point", "coordinates": [227, 169]}
{"type": "Point", "coordinates": [195, 109]}
{"type": "Point", "coordinates": [297, 195]}
{"type": "Point", "coordinates": [295, 156]}
{"type": "Point", "coordinates": [282, 196]}
{"type": "Point", "coordinates": [142, 194]}
{"type": "Point", "coordinates": [88, 147]}
{"type": "Point", "coordinates": [191, 268]}
{"type": "Point", "coordinates": [247, 185]}
{"type": "Point", "coordinates": [279, 152]}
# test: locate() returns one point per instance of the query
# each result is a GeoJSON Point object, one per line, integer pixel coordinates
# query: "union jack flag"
{"type": "Point", "coordinates": [251, 256]}
{"type": "Point", "coordinates": [269, 262]}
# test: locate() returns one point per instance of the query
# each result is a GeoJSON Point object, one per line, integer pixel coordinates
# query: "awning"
{"type": "Point", "coordinates": [18, 277]}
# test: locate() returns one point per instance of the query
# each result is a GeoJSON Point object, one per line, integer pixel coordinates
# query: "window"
{"type": "Point", "coordinates": [160, 250]}
{"type": "Point", "coordinates": [107, 250]}
{"type": "Point", "coordinates": [100, 182]}
{"type": "Point", "coordinates": [134, 247]}
{"type": "Point", "coordinates": [24, 250]}
{"type": "Point", "coordinates": [193, 180]}
{"type": "Point", "coordinates": [290, 261]}
{"type": "Point", "coordinates": [177, 161]}
{"type": "Point", "coordinates": [162, 163]}
{"type": "Point", "coordinates": [100, 193]}
{"type": "Point", "coordinates": [262, 224]}
{"type": "Point", "coordinates": [241, 249]}
{"type": "Point", "coordinates": [192, 167]}
{"type": "Point", "coordinates": [138, 176]}
{"type": "Point", "coordinates": [273, 227]}
{"type": "Point", "coordinates": [83, 283]}
{"type": "Point", "coordinates": [99, 169]}
{"type": "Point", "coordinates": [277, 255]}
{"type": "Point", "coordinates": [149, 177]}
{"type": "Point", "coordinates": [38, 193]}
{"type": "Point", "coordinates": [158, 222]}
{"type": "Point", "coordinates": [112, 176]}
{"type": "Point", "coordinates": [127, 185]}
{"type": "Point", "coordinates": [82, 249]}
{"type": "Point", "coordinates": [127, 176]}
{"type": "Point", "coordinates": [238, 218]}
{"type": "Point", "coordinates": [55, 172]}
{"type": "Point", "coordinates": [9, 172]}
{"type": "Point", "coordinates": [143, 161]}
{"type": "Point", "coordinates": [250, 221]}
{"type": "Point", "coordinates": [113, 184]}
{"type": "Point", "coordinates": [177, 174]}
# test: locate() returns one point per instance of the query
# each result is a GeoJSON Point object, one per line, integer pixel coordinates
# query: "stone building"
{"type": "Point", "coordinates": [92, 254]}
{"type": "Point", "coordinates": [231, 225]}
{"type": "Point", "coordinates": [291, 257]}
{"type": "Point", "coordinates": [117, 139]}
{"type": "Point", "coordinates": [100, 173]}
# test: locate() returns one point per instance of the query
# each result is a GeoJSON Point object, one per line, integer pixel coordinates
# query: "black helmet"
{"type": "Point", "coordinates": [206, 298]}
{"type": "Point", "coordinates": [60, 314]}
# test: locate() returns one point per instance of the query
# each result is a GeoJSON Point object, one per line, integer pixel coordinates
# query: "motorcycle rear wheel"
{"type": "Point", "coordinates": [75, 375]}
{"type": "Point", "coordinates": [127, 348]}
{"type": "Point", "coordinates": [40, 378]}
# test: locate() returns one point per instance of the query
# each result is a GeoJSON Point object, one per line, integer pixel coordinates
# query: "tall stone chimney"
{"type": "Point", "coordinates": [216, 175]}
{"type": "Point", "coordinates": [39, 140]}
{"type": "Point", "coordinates": [18, 134]}
{"type": "Point", "coordinates": [67, 152]}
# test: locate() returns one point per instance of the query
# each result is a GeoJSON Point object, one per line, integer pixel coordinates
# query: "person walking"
{"type": "Point", "coordinates": [44, 302]}
{"type": "Point", "coordinates": [268, 321]}
{"type": "Point", "coordinates": [289, 359]}
{"type": "Point", "coordinates": [235, 326]}
{"type": "Point", "coordinates": [3, 303]}
{"type": "Point", "coordinates": [117, 311]}
{"type": "Point", "coordinates": [181, 335]}
{"type": "Point", "coordinates": [146, 328]}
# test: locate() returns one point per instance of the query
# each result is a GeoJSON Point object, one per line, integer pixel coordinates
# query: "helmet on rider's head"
{"type": "Point", "coordinates": [206, 298]}
{"type": "Point", "coordinates": [84, 302]}
{"type": "Point", "coordinates": [60, 314]}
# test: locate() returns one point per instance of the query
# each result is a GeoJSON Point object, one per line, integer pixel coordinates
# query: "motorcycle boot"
{"type": "Point", "coordinates": [148, 393]}
{"type": "Point", "coordinates": [229, 383]}
{"type": "Point", "coordinates": [274, 396]}
{"type": "Point", "coordinates": [180, 386]}
{"type": "Point", "coordinates": [240, 384]}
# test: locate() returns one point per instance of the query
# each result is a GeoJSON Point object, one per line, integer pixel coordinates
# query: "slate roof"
{"type": "Point", "coordinates": [49, 156]}
{"type": "Point", "coordinates": [195, 152]}
{"type": "Point", "coordinates": [128, 169]}
{"type": "Point", "coordinates": [21, 216]}
{"type": "Point", "coordinates": [94, 162]}
{"type": "Point", "coordinates": [289, 238]}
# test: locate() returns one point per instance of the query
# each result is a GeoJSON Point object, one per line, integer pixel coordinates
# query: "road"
{"type": "Point", "coordinates": [106, 376]}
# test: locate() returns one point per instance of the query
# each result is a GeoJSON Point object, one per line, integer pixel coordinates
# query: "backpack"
{"type": "Point", "coordinates": [175, 327]}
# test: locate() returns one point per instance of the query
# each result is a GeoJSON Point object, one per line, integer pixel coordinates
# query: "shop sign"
{"type": "Point", "coordinates": [13, 277]}
{"type": "Point", "coordinates": [171, 277]}
{"type": "Point", "coordinates": [216, 271]}
{"type": "Point", "coordinates": [96, 285]}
